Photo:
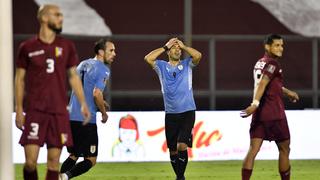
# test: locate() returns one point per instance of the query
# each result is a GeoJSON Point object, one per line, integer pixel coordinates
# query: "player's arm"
{"type": "Point", "coordinates": [195, 54]}
{"type": "Point", "coordinates": [293, 96]}
{"type": "Point", "coordinates": [98, 98]}
{"type": "Point", "coordinates": [257, 96]}
{"type": "Point", "coordinates": [19, 94]}
{"type": "Point", "coordinates": [152, 56]}
{"type": "Point", "coordinates": [76, 86]}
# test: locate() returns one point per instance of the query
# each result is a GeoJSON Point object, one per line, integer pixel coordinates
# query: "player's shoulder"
{"type": "Point", "coordinates": [29, 42]}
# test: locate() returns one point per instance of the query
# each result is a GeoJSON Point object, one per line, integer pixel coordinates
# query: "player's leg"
{"type": "Point", "coordinates": [86, 146]}
{"type": "Point", "coordinates": [248, 162]}
{"type": "Point", "coordinates": [68, 163]}
{"type": "Point", "coordinates": [284, 162]}
{"type": "Point", "coordinates": [81, 167]}
{"type": "Point", "coordinates": [72, 159]}
{"type": "Point", "coordinates": [30, 166]}
{"type": "Point", "coordinates": [171, 131]}
{"type": "Point", "coordinates": [187, 120]}
{"type": "Point", "coordinates": [53, 163]}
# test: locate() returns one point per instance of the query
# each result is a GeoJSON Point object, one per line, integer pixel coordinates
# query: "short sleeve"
{"type": "Point", "coordinates": [22, 58]}
{"type": "Point", "coordinates": [190, 63]}
{"type": "Point", "coordinates": [270, 69]}
{"type": "Point", "coordinates": [157, 66]}
{"type": "Point", "coordinates": [73, 59]}
{"type": "Point", "coordinates": [100, 81]}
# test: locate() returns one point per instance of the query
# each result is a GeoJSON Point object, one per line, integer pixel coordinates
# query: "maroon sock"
{"type": "Point", "coordinates": [285, 175]}
{"type": "Point", "coordinates": [246, 174]}
{"type": "Point", "coordinates": [27, 175]}
{"type": "Point", "coordinates": [52, 175]}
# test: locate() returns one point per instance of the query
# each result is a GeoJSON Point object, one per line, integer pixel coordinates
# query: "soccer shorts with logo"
{"type": "Point", "coordinates": [178, 128]}
{"type": "Point", "coordinates": [52, 129]}
{"type": "Point", "coordinates": [85, 139]}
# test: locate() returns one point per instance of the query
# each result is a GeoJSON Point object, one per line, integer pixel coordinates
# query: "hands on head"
{"type": "Point", "coordinates": [174, 41]}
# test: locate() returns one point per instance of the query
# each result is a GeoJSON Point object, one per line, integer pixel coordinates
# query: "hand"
{"type": "Point", "coordinates": [171, 42]}
{"type": "Point", "coordinates": [20, 119]}
{"type": "Point", "coordinates": [248, 111]}
{"type": "Point", "coordinates": [181, 45]}
{"type": "Point", "coordinates": [86, 114]}
{"type": "Point", "coordinates": [293, 96]}
{"type": "Point", "coordinates": [104, 117]}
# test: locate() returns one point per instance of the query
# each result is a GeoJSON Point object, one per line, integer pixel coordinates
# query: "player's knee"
{"type": "Point", "coordinates": [30, 165]}
{"type": "Point", "coordinates": [53, 163]}
{"type": "Point", "coordinates": [284, 150]}
{"type": "Point", "coordinates": [182, 146]}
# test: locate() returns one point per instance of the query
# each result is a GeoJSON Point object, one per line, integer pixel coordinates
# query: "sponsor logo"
{"type": "Point", "coordinates": [36, 53]}
{"type": "Point", "coordinates": [180, 67]}
{"type": "Point", "coordinates": [201, 137]}
{"type": "Point", "coordinates": [271, 68]}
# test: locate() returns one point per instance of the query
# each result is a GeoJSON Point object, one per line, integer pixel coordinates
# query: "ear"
{"type": "Point", "coordinates": [101, 52]}
{"type": "Point", "coordinates": [267, 47]}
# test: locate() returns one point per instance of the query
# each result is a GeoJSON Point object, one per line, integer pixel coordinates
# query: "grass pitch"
{"type": "Point", "coordinates": [213, 170]}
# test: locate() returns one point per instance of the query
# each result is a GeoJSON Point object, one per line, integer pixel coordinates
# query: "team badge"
{"type": "Point", "coordinates": [180, 67]}
{"type": "Point", "coordinates": [58, 51]}
{"type": "Point", "coordinates": [271, 68]}
{"type": "Point", "coordinates": [93, 149]}
{"type": "Point", "coordinates": [64, 138]}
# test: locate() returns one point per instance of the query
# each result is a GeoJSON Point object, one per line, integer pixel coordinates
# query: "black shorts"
{"type": "Point", "coordinates": [85, 140]}
{"type": "Point", "coordinates": [179, 129]}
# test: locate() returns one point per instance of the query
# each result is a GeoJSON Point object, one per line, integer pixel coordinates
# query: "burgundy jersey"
{"type": "Point", "coordinates": [271, 104]}
{"type": "Point", "coordinates": [46, 73]}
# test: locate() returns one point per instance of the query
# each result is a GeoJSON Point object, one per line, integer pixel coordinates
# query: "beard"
{"type": "Point", "coordinates": [55, 28]}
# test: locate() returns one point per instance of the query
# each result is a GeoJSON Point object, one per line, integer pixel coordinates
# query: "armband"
{"type": "Point", "coordinates": [165, 48]}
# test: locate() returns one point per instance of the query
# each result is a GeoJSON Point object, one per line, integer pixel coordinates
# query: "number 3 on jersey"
{"type": "Point", "coordinates": [50, 65]}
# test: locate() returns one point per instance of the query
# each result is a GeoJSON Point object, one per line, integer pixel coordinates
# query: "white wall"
{"type": "Point", "coordinates": [229, 138]}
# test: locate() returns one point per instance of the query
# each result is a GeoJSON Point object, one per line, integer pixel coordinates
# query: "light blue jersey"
{"type": "Point", "coordinates": [93, 73]}
{"type": "Point", "coordinates": [176, 85]}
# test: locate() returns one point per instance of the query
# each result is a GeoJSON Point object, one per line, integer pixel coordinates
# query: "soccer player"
{"type": "Point", "coordinates": [269, 121]}
{"type": "Point", "coordinates": [41, 74]}
{"type": "Point", "coordinates": [175, 78]}
{"type": "Point", "coordinates": [94, 73]}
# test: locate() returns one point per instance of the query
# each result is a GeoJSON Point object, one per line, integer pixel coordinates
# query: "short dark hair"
{"type": "Point", "coordinates": [100, 44]}
{"type": "Point", "coordinates": [269, 38]}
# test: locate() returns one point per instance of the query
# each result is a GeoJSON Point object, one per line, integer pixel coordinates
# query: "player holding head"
{"type": "Point", "coordinates": [176, 84]}
{"type": "Point", "coordinates": [41, 71]}
{"type": "Point", "coordinates": [94, 73]}
{"type": "Point", "coordinates": [269, 121]}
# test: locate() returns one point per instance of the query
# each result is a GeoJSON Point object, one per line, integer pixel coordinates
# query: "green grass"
{"type": "Point", "coordinates": [213, 170]}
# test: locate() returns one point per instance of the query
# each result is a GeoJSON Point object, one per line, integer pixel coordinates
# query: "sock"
{"type": "Point", "coordinates": [182, 163]}
{"type": "Point", "coordinates": [67, 165]}
{"type": "Point", "coordinates": [246, 174]}
{"type": "Point", "coordinates": [285, 175]}
{"type": "Point", "coordinates": [174, 163]}
{"type": "Point", "coordinates": [52, 175]}
{"type": "Point", "coordinates": [33, 175]}
{"type": "Point", "coordinates": [79, 168]}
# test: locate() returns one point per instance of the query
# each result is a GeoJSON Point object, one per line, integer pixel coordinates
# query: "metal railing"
{"type": "Point", "coordinates": [212, 92]}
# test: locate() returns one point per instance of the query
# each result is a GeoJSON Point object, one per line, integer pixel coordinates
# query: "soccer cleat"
{"type": "Point", "coordinates": [63, 176]}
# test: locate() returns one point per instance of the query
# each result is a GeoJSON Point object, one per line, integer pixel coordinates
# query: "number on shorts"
{"type": "Point", "coordinates": [34, 129]}
{"type": "Point", "coordinates": [50, 65]}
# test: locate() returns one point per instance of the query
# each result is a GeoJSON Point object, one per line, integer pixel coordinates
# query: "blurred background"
{"type": "Point", "coordinates": [228, 33]}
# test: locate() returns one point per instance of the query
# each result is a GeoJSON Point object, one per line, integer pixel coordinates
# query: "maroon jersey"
{"type": "Point", "coordinates": [46, 73]}
{"type": "Point", "coordinates": [271, 104]}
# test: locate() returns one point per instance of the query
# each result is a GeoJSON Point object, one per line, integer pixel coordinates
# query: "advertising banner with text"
{"type": "Point", "coordinates": [217, 135]}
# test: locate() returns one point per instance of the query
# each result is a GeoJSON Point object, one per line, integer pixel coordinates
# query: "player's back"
{"type": "Point", "coordinates": [46, 73]}
{"type": "Point", "coordinates": [271, 104]}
